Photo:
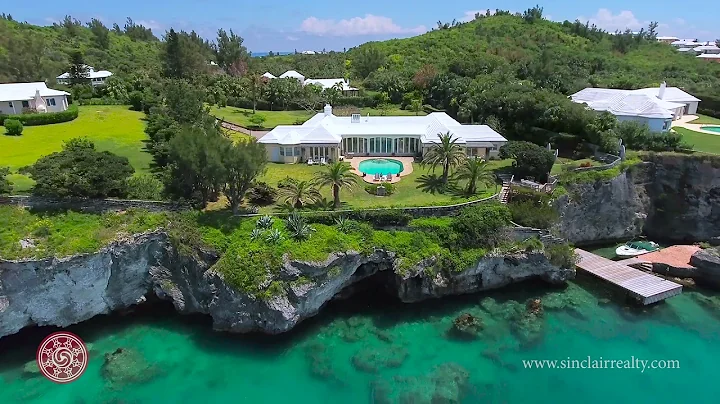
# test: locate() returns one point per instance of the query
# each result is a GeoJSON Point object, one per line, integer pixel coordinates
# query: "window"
{"type": "Point", "coordinates": [355, 118]}
{"type": "Point", "coordinates": [282, 151]}
{"type": "Point", "coordinates": [51, 101]}
{"type": "Point", "coordinates": [25, 104]}
{"type": "Point", "coordinates": [10, 104]}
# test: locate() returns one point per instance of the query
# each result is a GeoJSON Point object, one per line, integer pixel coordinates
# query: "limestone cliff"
{"type": "Point", "coordinates": [70, 290]}
{"type": "Point", "coordinates": [669, 197]}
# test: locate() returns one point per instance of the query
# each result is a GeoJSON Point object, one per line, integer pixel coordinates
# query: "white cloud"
{"type": "Point", "coordinates": [152, 24]}
{"type": "Point", "coordinates": [368, 25]}
{"type": "Point", "coordinates": [608, 21]}
{"type": "Point", "coordinates": [292, 38]}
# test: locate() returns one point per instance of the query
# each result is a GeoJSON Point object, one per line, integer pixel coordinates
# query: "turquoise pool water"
{"type": "Point", "coordinates": [381, 166]}
{"type": "Point", "coordinates": [711, 128]}
{"type": "Point", "coordinates": [373, 350]}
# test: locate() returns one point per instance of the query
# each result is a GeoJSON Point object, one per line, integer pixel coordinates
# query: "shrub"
{"type": "Point", "coordinates": [144, 186]}
{"type": "Point", "coordinates": [5, 186]}
{"type": "Point", "coordinates": [372, 188]}
{"type": "Point", "coordinates": [533, 214]}
{"type": "Point", "coordinates": [383, 217]}
{"type": "Point", "coordinates": [13, 127]}
{"type": "Point", "coordinates": [136, 100]}
{"type": "Point", "coordinates": [264, 222]}
{"type": "Point", "coordinates": [481, 225]}
{"type": "Point", "coordinates": [257, 120]}
{"type": "Point", "coordinates": [561, 255]}
{"type": "Point", "coordinates": [298, 227]}
{"type": "Point", "coordinates": [44, 119]}
{"type": "Point", "coordinates": [286, 182]}
{"type": "Point", "coordinates": [262, 194]}
{"type": "Point", "coordinates": [586, 164]}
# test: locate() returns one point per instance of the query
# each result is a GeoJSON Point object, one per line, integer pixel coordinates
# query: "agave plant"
{"type": "Point", "coordinates": [264, 222]}
{"type": "Point", "coordinates": [256, 234]}
{"type": "Point", "coordinates": [274, 236]}
{"type": "Point", "coordinates": [298, 227]}
{"type": "Point", "coordinates": [343, 224]}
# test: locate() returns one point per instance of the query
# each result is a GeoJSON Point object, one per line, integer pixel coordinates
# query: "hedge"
{"type": "Point", "coordinates": [44, 119]}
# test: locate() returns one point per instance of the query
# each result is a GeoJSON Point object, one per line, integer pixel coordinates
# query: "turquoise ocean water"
{"type": "Point", "coordinates": [373, 349]}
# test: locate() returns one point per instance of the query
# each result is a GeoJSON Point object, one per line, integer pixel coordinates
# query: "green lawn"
{"type": "Point", "coordinates": [702, 142]}
{"type": "Point", "coordinates": [704, 119]}
{"type": "Point", "coordinates": [241, 116]}
{"type": "Point", "coordinates": [114, 128]}
{"type": "Point", "coordinates": [563, 162]}
{"type": "Point", "coordinates": [406, 194]}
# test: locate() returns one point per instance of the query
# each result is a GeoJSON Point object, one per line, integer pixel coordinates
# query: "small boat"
{"type": "Point", "coordinates": [635, 248]}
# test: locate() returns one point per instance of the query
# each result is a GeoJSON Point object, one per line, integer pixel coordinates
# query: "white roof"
{"type": "Point", "coordinates": [709, 56]}
{"type": "Point", "coordinates": [330, 129]}
{"type": "Point", "coordinates": [328, 83]}
{"type": "Point", "coordinates": [703, 48]}
{"type": "Point", "coordinates": [686, 50]}
{"type": "Point", "coordinates": [666, 38]}
{"type": "Point", "coordinates": [26, 91]}
{"type": "Point", "coordinates": [92, 74]}
{"type": "Point", "coordinates": [268, 75]}
{"type": "Point", "coordinates": [684, 42]}
{"type": "Point", "coordinates": [672, 94]}
{"type": "Point", "coordinates": [643, 102]}
{"type": "Point", "coordinates": [293, 74]}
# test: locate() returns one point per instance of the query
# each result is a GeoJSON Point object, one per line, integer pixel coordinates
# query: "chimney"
{"type": "Point", "coordinates": [661, 93]}
{"type": "Point", "coordinates": [328, 110]}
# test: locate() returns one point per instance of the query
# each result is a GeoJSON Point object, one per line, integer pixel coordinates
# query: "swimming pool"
{"type": "Point", "coordinates": [381, 166]}
{"type": "Point", "coordinates": [711, 128]}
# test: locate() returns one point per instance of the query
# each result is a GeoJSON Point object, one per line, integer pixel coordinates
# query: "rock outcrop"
{"type": "Point", "coordinates": [669, 197]}
{"type": "Point", "coordinates": [66, 291]}
{"type": "Point", "coordinates": [707, 263]}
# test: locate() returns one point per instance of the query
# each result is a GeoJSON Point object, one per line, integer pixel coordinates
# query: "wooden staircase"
{"type": "Point", "coordinates": [505, 191]}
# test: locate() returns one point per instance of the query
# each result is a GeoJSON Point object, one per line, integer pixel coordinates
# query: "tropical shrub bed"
{"type": "Point", "coordinates": [44, 119]}
{"type": "Point", "coordinates": [373, 188]}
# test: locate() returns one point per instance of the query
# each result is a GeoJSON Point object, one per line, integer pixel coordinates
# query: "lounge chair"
{"type": "Point", "coordinates": [377, 177]}
{"type": "Point", "coordinates": [310, 162]}
{"type": "Point", "coordinates": [389, 177]}
{"type": "Point", "coordinates": [322, 161]}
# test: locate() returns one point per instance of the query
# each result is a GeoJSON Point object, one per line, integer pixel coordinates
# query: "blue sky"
{"type": "Point", "coordinates": [311, 24]}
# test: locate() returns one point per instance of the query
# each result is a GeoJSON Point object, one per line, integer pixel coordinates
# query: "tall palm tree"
{"type": "Point", "coordinates": [299, 194]}
{"type": "Point", "coordinates": [339, 175]}
{"type": "Point", "coordinates": [445, 153]}
{"type": "Point", "coordinates": [475, 171]}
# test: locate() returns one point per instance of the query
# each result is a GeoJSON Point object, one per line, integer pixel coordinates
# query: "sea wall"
{"type": "Point", "coordinates": [66, 291]}
{"type": "Point", "coordinates": [668, 197]}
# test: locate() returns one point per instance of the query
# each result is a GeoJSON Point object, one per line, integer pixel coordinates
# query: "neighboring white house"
{"type": "Point", "coordinates": [703, 49]}
{"type": "Point", "coordinates": [328, 136]}
{"type": "Point", "coordinates": [657, 106]}
{"type": "Point", "coordinates": [293, 74]}
{"type": "Point", "coordinates": [342, 84]}
{"type": "Point", "coordinates": [667, 39]}
{"type": "Point", "coordinates": [712, 57]}
{"type": "Point", "coordinates": [685, 43]}
{"type": "Point", "coordinates": [269, 75]}
{"type": "Point", "coordinates": [16, 97]}
{"type": "Point", "coordinates": [98, 78]}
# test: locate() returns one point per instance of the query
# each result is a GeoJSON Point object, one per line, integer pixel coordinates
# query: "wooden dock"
{"type": "Point", "coordinates": [639, 285]}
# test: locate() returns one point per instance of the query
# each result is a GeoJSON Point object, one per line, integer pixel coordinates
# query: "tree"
{"type": "Point", "coordinates": [416, 106]}
{"type": "Point", "coordinates": [368, 59]}
{"type": "Point", "coordinates": [13, 127]}
{"type": "Point", "coordinates": [299, 194]}
{"type": "Point", "coordinates": [172, 55]}
{"type": "Point", "coordinates": [255, 87]}
{"type": "Point", "coordinates": [244, 161]}
{"type": "Point", "coordinates": [338, 175]}
{"type": "Point", "coordinates": [5, 186]}
{"type": "Point", "coordinates": [230, 52]}
{"type": "Point", "coordinates": [195, 171]}
{"type": "Point", "coordinates": [445, 153]}
{"type": "Point", "coordinates": [78, 69]}
{"type": "Point", "coordinates": [257, 120]}
{"type": "Point", "coordinates": [424, 76]}
{"type": "Point", "coordinates": [475, 171]}
{"type": "Point", "coordinates": [101, 33]}
{"type": "Point", "coordinates": [144, 186]}
{"type": "Point", "coordinates": [137, 32]}
{"type": "Point", "coordinates": [531, 160]}
{"type": "Point", "coordinates": [80, 171]}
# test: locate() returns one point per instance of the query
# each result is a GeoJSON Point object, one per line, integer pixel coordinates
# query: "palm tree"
{"type": "Point", "coordinates": [338, 175]}
{"type": "Point", "coordinates": [475, 171]}
{"type": "Point", "coordinates": [299, 194]}
{"type": "Point", "coordinates": [446, 153]}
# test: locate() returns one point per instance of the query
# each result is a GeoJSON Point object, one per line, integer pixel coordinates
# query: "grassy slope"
{"type": "Point", "coordinates": [700, 141]}
{"type": "Point", "coordinates": [113, 128]}
{"type": "Point", "coordinates": [704, 119]}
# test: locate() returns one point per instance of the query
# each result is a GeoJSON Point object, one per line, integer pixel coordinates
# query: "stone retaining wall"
{"type": "Point", "coordinates": [90, 205]}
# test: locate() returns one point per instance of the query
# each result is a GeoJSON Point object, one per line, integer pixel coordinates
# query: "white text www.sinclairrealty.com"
{"type": "Point", "coordinates": [600, 363]}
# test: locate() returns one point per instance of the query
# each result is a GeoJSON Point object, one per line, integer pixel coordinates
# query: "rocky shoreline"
{"type": "Point", "coordinates": [65, 291]}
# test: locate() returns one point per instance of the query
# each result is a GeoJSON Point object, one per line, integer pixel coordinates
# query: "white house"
{"type": "Point", "coordinates": [657, 106]}
{"type": "Point", "coordinates": [98, 78]}
{"type": "Point", "coordinates": [328, 136]}
{"type": "Point", "coordinates": [293, 74]}
{"type": "Point", "coordinates": [17, 97]}
{"type": "Point", "coordinates": [709, 49]}
{"type": "Point", "coordinates": [342, 84]}
{"type": "Point", "coordinates": [685, 43]}
{"type": "Point", "coordinates": [712, 57]}
{"type": "Point", "coordinates": [268, 75]}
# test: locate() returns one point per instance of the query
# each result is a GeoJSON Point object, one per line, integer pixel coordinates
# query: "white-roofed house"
{"type": "Point", "coordinates": [18, 97]}
{"type": "Point", "coordinates": [712, 57]}
{"type": "Point", "coordinates": [95, 78]}
{"type": "Point", "coordinates": [656, 106]}
{"type": "Point", "coordinates": [707, 49]}
{"type": "Point", "coordinates": [342, 84]}
{"type": "Point", "coordinates": [328, 136]}
{"type": "Point", "coordinates": [293, 74]}
{"type": "Point", "coordinates": [667, 39]}
{"type": "Point", "coordinates": [268, 75]}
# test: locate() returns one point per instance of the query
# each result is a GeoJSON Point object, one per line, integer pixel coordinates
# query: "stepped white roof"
{"type": "Point", "coordinates": [706, 48]}
{"type": "Point", "coordinates": [709, 56]}
{"type": "Point", "coordinates": [269, 75]}
{"type": "Point", "coordinates": [643, 102]}
{"type": "Point", "coordinates": [329, 129]}
{"type": "Point", "coordinates": [92, 74]}
{"type": "Point", "coordinates": [329, 83]}
{"type": "Point", "coordinates": [293, 74]}
{"type": "Point", "coordinates": [26, 91]}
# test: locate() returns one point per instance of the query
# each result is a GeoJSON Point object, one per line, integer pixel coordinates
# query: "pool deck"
{"type": "Point", "coordinates": [406, 161]}
{"type": "Point", "coordinates": [686, 122]}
